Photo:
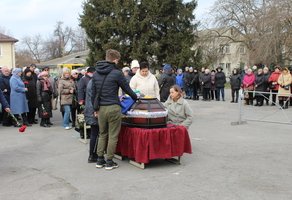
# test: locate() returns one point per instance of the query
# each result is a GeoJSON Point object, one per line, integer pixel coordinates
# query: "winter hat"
{"type": "Point", "coordinates": [16, 71]}
{"type": "Point", "coordinates": [90, 70]}
{"type": "Point", "coordinates": [43, 73]}
{"type": "Point", "coordinates": [125, 69]}
{"type": "Point", "coordinates": [167, 68]}
{"type": "Point", "coordinates": [74, 71]}
{"type": "Point", "coordinates": [134, 64]}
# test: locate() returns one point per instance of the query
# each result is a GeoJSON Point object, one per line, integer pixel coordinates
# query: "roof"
{"type": "Point", "coordinates": [6, 38]}
{"type": "Point", "coordinates": [79, 57]}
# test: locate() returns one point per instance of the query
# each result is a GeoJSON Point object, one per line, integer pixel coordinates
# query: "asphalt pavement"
{"type": "Point", "coordinates": [243, 162]}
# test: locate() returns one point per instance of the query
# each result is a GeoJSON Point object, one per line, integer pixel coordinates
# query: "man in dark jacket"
{"type": "Point", "coordinates": [82, 84]}
{"type": "Point", "coordinates": [220, 81]}
{"type": "Point", "coordinates": [206, 84]}
{"type": "Point", "coordinates": [4, 103]}
{"type": "Point", "coordinates": [105, 86]}
{"type": "Point", "coordinates": [5, 88]}
{"type": "Point", "coordinates": [165, 82]}
{"type": "Point", "coordinates": [235, 82]}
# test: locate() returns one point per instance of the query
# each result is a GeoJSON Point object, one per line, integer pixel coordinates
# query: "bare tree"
{"type": "Point", "coordinates": [35, 46]}
{"type": "Point", "coordinates": [264, 24]}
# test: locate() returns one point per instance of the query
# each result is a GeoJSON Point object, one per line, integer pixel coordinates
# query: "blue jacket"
{"type": "Point", "coordinates": [180, 80]}
{"type": "Point", "coordinates": [18, 101]}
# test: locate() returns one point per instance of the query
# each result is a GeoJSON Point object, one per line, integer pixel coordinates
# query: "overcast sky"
{"type": "Point", "coordinates": [21, 18]}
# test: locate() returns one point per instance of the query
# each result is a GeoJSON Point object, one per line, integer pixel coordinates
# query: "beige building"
{"type": "Point", "coordinates": [7, 50]}
{"type": "Point", "coordinates": [223, 47]}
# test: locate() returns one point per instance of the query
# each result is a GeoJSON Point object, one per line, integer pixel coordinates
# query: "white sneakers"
{"type": "Point", "coordinates": [67, 128]}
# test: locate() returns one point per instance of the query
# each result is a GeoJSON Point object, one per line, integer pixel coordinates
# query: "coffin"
{"type": "Point", "coordinates": [146, 113]}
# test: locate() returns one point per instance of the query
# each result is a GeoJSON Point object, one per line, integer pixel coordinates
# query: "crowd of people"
{"type": "Point", "coordinates": [30, 95]}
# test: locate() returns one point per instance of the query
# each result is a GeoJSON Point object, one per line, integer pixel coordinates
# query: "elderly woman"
{"type": "Point", "coordinates": [18, 101]}
{"type": "Point", "coordinates": [284, 93]}
{"type": "Point", "coordinates": [179, 111]}
{"type": "Point", "coordinates": [248, 85]}
{"type": "Point", "coordinates": [44, 96]}
{"type": "Point", "coordinates": [66, 92]}
{"type": "Point", "coordinates": [145, 82]}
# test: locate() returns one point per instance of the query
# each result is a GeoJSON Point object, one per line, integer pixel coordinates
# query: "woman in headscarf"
{"type": "Point", "coordinates": [18, 101]}
{"type": "Point", "coordinates": [44, 96]}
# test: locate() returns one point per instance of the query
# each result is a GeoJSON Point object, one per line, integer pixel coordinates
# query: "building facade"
{"type": "Point", "coordinates": [224, 48]}
{"type": "Point", "coordinates": [7, 51]}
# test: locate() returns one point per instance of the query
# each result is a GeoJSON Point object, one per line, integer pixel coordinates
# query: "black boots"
{"type": "Point", "coordinates": [45, 123]}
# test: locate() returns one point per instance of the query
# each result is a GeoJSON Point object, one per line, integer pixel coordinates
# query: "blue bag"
{"type": "Point", "coordinates": [126, 103]}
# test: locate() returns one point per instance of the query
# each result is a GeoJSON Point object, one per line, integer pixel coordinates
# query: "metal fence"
{"type": "Point", "coordinates": [267, 114]}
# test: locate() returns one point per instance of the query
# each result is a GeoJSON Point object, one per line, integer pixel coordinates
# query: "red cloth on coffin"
{"type": "Point", "coordinates": [144, 145]}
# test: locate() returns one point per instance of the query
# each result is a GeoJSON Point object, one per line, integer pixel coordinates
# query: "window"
{"type": "Point", "coordinates": [221, 49]}
{"type": "Point", "coordinates": [242, 49]}
{"type": "Point", "coordinates": [227, 49]}
{"type": "Point", "coordinates": [228, 66]}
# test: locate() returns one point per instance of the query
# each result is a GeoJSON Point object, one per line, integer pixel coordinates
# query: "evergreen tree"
{"type": "Point", "coordinates": [160, 31]}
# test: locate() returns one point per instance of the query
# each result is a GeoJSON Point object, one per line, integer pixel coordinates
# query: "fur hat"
{"type": "Point", "coordinates": [134, 64]}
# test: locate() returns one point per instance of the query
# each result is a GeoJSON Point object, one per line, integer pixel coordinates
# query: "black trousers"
{"type": "Point", "coordinates": [94, 133]}
{"type": "Point", "coordinates": [31, 115]}
{"type": "Point", "coordinates": [206, 93]}
{"type": "Point", "coordinates": [274, 97]}
{"type": "Point", "coordinates": [235, 94]}
{"type": "Point", "coordinates": [6, 120]}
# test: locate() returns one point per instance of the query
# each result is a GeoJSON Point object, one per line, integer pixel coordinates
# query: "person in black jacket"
{"type": "Point", "coordinates": [5, 87]}
{"type": "Point", "coordinates": [235, 82]}
{"type": "Point", "coordinates": [206, 84]}
{"type": "Point", "coordinates": [260, 86]}
{"type": "Point", "coordinates": [196, 84]}
{"type": "Point", "coordinates": [220, 81]}
{"type": "Point", "coordinates": [267, 74]}
{"type": "Point", "coordinates": [82, 84]}
{"type": "Point", "coordinates": [165, 81]}
{"type": "Point", "coordinates": [93, 122]}
{"type": "Point", "coordinates": [31, 94]}
{"type": "Point", "coordinates": [106, 82]}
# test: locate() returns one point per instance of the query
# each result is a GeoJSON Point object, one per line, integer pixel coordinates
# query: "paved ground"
{"type": "Point", "coordinates": [248, 162]}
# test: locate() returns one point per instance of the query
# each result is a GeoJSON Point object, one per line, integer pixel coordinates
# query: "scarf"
{"type": "Point", "coordinates": [46, 85]}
